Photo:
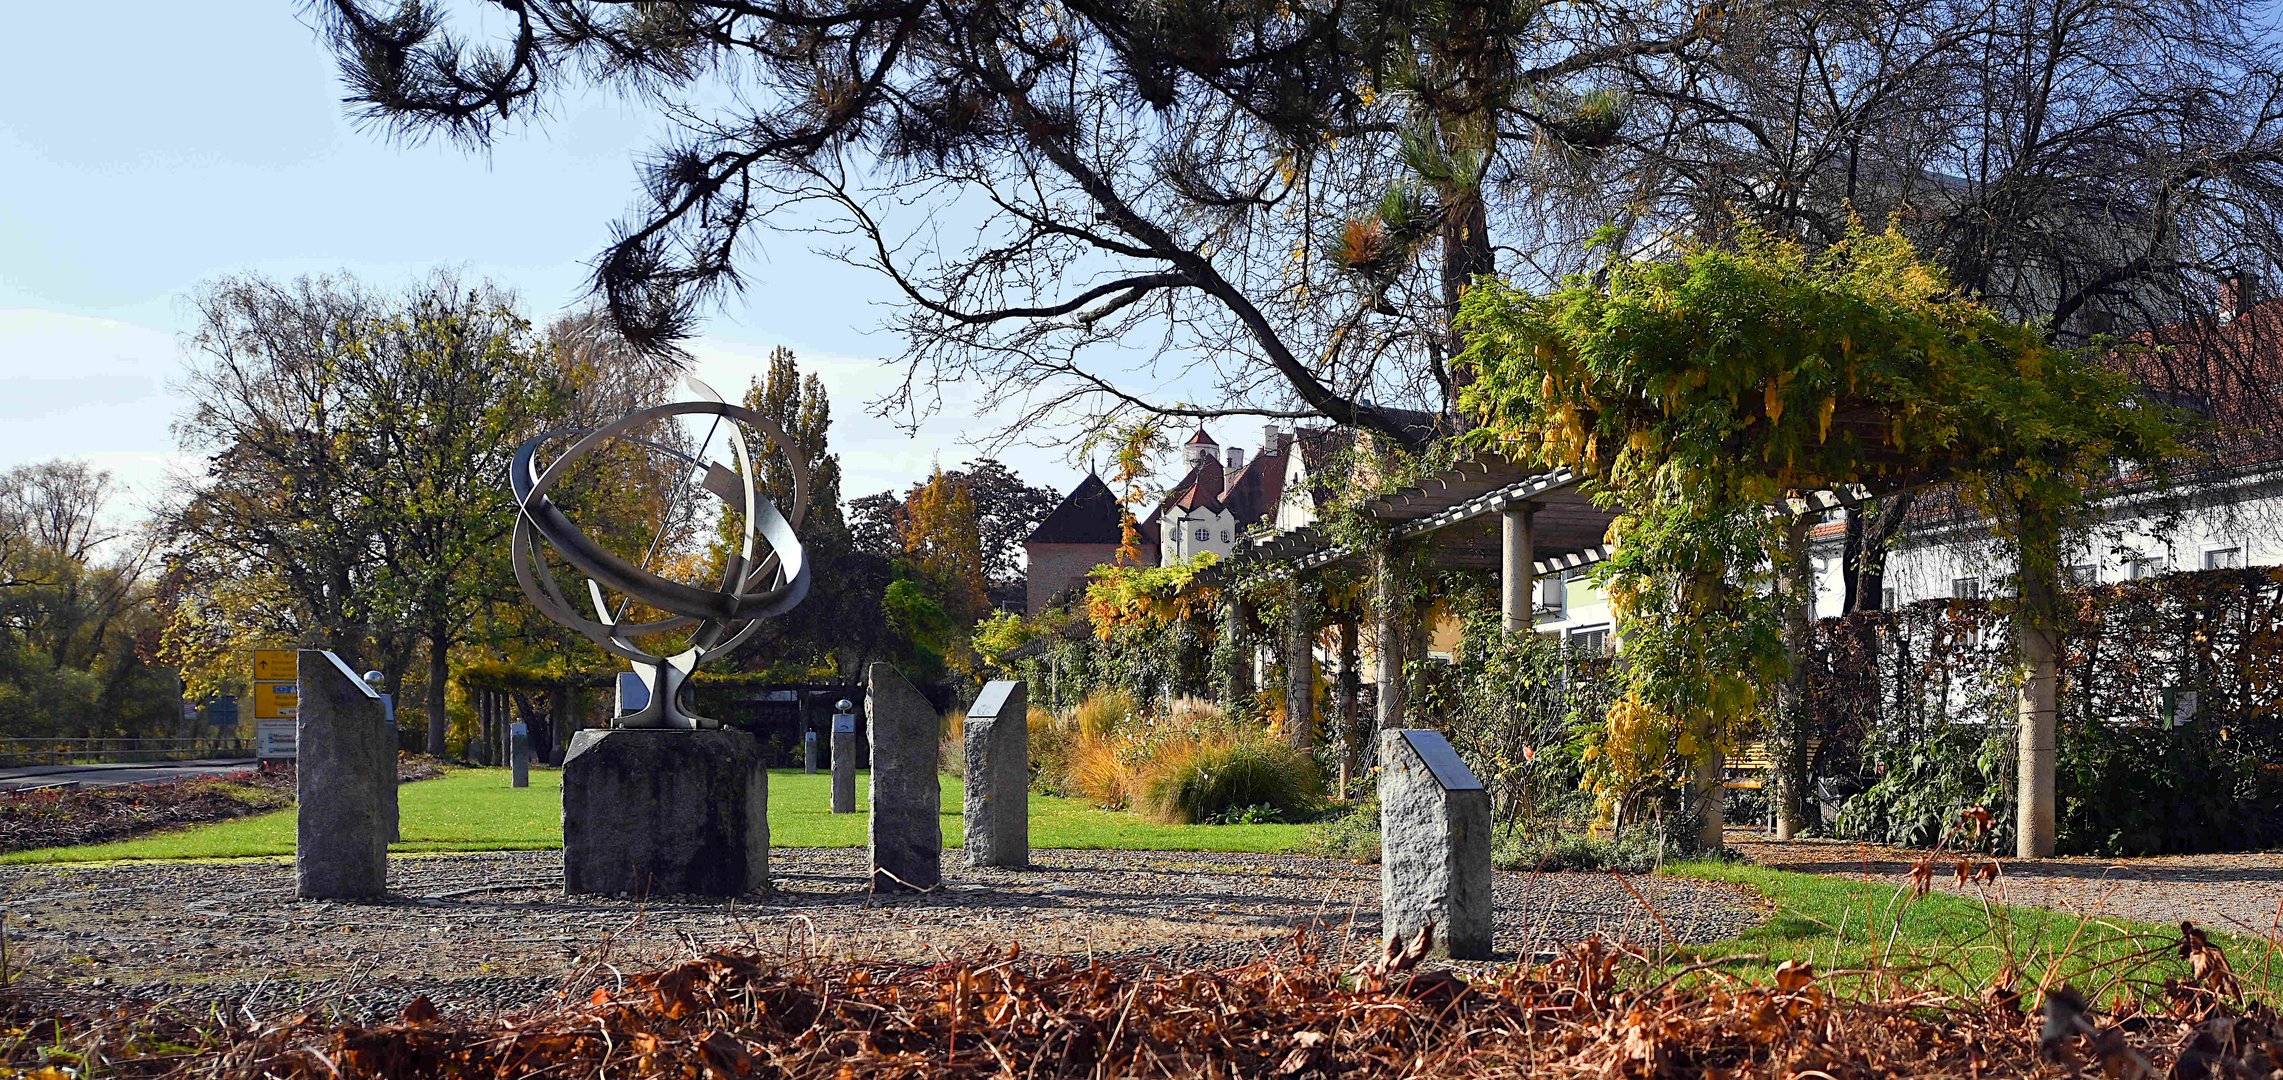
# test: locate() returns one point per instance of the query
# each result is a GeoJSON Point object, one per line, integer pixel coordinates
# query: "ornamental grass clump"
{"type": "Point", "coordinates": [1256, 780]}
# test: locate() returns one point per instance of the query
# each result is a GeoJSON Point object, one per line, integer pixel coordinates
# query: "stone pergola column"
{"type": "Point", "coordinates": [1517, 575]}
{"type": "Point", "coordinates": [1391, 606]}
{"type": "Point", "coordinates": [2036, 625]}
{"type": "Point", "coordinates": [1300, 669]}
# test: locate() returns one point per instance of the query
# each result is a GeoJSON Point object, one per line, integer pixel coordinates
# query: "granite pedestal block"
{"type": "Point", "coordinates": [997, 815]}
{"type": "Point", "coordinates": [345, 783]}
{"type": "Point", "coordinates": [906, 834]}
{"type": "Point", "coordinates": [1434, 863]}
{"type": "Point", "coordinates": [653, 812]}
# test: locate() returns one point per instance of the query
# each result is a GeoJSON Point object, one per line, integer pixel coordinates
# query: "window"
{"type": "Point", "coordinates": [2083, 575]}
{"type": "Point", "coordinates": [1593, 642]}
{"type": "Point", "coordinates": [1224, 536]}
{"type": "Point", "coordinates": [1966, 588]}
{"type": "Point", "coordinates": [2223, 558]}
{"type": "Point", "coordinates": [1204, 535]}
{"type": "Point", "coordinates": [1553, 594]}
{"type": "Point", "coordinates": [2148, 566]}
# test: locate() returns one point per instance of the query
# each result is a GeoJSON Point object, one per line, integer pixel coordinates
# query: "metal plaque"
{"type": "Point", "coordinates": [993, 700]}
{"type": "Point", "coordinates": [1435, 752]}
{"type": "Point", "coordinates": [844, 722]}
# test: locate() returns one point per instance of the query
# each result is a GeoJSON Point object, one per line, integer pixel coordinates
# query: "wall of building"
{"type": "Point", "coordinates": [1055, 567]}
{"type": "Point", "coordinates": [1178, 531]}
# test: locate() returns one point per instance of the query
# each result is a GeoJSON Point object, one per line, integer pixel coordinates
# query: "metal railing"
{"type": "Point", "coordinates": [21, 752]}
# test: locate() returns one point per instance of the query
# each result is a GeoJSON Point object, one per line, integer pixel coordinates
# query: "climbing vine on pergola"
{"type": "Point", "coordinates": [1695, 393]}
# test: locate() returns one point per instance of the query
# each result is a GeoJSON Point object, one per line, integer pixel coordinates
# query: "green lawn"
{"type": "Point", "coordinates": [476, 810]}
{"type": "Point", "coordinates": [1844, 924]}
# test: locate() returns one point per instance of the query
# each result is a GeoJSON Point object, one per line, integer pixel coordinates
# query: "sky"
{"type": "Point", "coordinates": [148, 149]}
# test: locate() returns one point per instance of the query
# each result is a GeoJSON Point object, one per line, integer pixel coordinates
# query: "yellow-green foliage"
{"type": "Point", "coordinates": [1692, 393]}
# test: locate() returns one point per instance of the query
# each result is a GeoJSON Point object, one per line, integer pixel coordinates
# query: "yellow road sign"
{"type": "Point", "coordinates": [276, 665]}
{"type": "Point", "coordinates": [275, 700]}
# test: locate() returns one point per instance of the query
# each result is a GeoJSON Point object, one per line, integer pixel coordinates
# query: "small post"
{"type": "Point", "coordinates": [844, 757]}
{"type": "Point", "coordinates": [342, 785]}
{"type": "Point", "coordinates": [1434, 864]}
{"type": "Point", "coordinates": [808, 750]}
{"type": "Point", "coordinates": [997, 816]}
{"type": "Point", "coordinates": [519, 753]}
{"type": "Point", "coordinates": [906, 827]}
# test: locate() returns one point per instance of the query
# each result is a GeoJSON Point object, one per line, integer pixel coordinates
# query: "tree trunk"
{"type": "Point", "coordinates": [1392, 605]}
{"type": "Point", "coordinates": [439, 678]}
{"type": "Point", "coordinates": [1798, 587]}
{"type": "Point", "coordinates": [2037, 627]}
{"type": "Point", "coordinates": [1300, 670]}
{"type": "Point", "coordinates": [1711, 797]}
{"type": "Point", "coordinates": [1872, 529]}
{"type": "Point", "coordinates": [1350, 691]}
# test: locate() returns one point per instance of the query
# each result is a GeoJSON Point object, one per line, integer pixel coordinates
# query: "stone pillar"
{"type": "Point", "coordinates": [344, 784]}
{"type": "Point", "coordinates": [2036, 832]}
{"type": "Point", "coordinates": [1434, 863]}
{"type": "Point", "coordinates": [906, 828]}
{"type": "Point", "coordinates": [844, 758]}
{"type": "Point", "coordinates": [1517, 575]}
{"type": "Point", "coordinates": [808, 750]}
{"type": "Point", "coordinates": [1391, 604]}
{"type": "Point", "coordinates": [519, 754]}
{"type": "Point", "coordinates": [1300, 669]}
{"type": "Point", "coordinates": [662, 812]}
{"type": "Point", "coordinates": [997, 815]}
{"type": "Point", "coordinates": [1797, 585]}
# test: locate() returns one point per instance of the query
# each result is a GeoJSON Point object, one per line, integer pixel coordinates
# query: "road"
{"type": "Point", "coordinates": [23, 776]}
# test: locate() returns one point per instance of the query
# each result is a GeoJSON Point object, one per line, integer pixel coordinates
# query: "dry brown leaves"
{"type": "Point", "coordinates": [1590, 1013]}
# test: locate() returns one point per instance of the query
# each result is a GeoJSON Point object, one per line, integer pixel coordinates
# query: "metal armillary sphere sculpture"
{"type": "Point", "coordinates": [752, 589]}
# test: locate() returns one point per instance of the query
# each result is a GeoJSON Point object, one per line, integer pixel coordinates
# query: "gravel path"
{"type": "Point", "coordinates": [2240, 891]}
{"type": "Point", "coordinates": [494, 931]}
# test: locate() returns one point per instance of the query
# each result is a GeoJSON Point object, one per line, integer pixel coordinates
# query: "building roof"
{"type": "Point", "coordinates": [1201, 439]}
{"type": "Point", "coordinates": [1088, 515]}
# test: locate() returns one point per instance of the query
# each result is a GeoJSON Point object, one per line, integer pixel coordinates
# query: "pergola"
{"type": "Point", "coordinates": [1486, 514]}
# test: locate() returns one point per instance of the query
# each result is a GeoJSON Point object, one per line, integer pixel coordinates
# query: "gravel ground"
{"type": "Point", "coordinates": [2240, 891]}
{"type": "Point", "coordinates": [494, 931]}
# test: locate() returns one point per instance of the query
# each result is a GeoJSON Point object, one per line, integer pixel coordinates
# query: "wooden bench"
{"type": "Point", "coordinates": [1754, 759]}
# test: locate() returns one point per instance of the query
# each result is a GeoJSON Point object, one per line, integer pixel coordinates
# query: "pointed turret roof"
{"type": "Point", "coordinates": [1201, 439]}
{"type": "Point", "coordinates": [1088, 515]}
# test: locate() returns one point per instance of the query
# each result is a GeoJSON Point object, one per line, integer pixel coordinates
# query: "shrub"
{"type": "Point", "coordinates": [1200, 782]}
{"type": "Point", "coordinates": [1637, 851]}
{"type": "Point", "coordinates": [1352, 834]}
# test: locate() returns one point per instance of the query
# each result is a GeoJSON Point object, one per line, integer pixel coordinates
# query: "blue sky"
{"type": "Point", "coordinates": [147, 149]}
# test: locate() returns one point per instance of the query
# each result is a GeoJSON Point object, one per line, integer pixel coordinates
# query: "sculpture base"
{"type": "Point", "coordinates": [661, 813]}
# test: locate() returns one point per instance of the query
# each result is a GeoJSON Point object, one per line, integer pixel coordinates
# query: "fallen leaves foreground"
{"type": "Point", "coordinates": [1590, 1013]}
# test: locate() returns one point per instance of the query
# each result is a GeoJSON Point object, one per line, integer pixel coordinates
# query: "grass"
{"type": "Point", "coordinates": [1957, 943]}
{"type": "Point", "coordinates": [476, 810]}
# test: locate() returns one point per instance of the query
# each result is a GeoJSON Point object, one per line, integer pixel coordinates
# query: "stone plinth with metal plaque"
{"type": "Point", "coordinates": [996, 815]}
{"type": "Point", "coordinates": [346, 784]}
{"type": "Point", "coordinates": [1434, 864]}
